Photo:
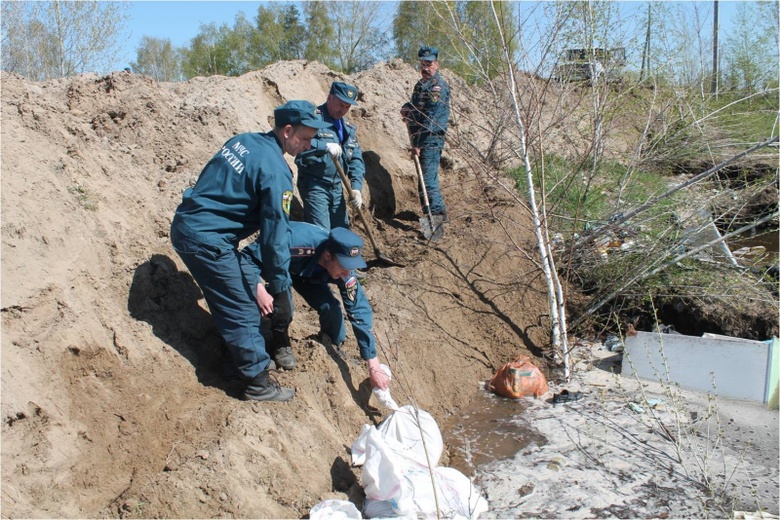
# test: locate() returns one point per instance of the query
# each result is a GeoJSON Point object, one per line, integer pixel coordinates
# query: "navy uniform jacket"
{"type": "Point", "coordinates": [307, 242]}
{"type": "Point", "coordinates": [431, 100]}
{"type": "Point", "coordinates": [316, 163]}
{"type": "Point", "coordinates": [247, 186]}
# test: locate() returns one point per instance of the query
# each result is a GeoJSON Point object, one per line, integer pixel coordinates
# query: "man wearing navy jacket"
{"type": "Point", "coordinates": [318, 181]}
{"type": "Point", "coordinates": [245, 188]}
{"type": "Point", "coordinates": [318, 259]}
{"type": "Point", "coordinates": [427, 116]}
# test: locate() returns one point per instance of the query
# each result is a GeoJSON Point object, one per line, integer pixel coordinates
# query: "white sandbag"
{"type": "Point", "coordinates": [457, 497]}
{"type": "Point", "coordinates": [396, 477]}
{"type": "Point", "coordinates": [406, 426]}
{"type": "Point", "coordinates": [383, 396]}
{"type": "Point", "coordinates": [333, 509]}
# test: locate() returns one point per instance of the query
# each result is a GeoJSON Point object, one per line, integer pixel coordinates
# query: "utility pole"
{"type": "Point", "coordinates": [715, 52]}
{"type": "Point", "coordinates": [646, 50]}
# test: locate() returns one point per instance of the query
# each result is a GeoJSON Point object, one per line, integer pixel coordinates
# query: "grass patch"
{"type": "Point", "coordinates": [746, 120]}
{"type": "Point", "coordinates": [579, 198]}
{"type": "Point", "coordinates": [85, 198]}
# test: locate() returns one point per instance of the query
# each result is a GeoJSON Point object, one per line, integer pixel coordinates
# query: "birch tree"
{"type": "Point", "coordinates": [359, 34]}
{"type": "Point", "coordinates": [320, 39]}
{"type": "Point", "coordinates": [159, 59]}
{"type": "Point", "coordinates": [557, 137]}
{"type": "Point", "coordinates": [56, 38]}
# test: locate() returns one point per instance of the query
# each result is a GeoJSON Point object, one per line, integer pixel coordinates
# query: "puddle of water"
{"type": "Point", "coordinates": [491, 428]}
{"type": "Point", "coordinates": [768, 240]}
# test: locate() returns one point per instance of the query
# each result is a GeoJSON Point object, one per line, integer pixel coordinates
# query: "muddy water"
{"type": "Point", "coordinates": [491, 428]}
{"type": "Point", "coordinates": [768, 240]}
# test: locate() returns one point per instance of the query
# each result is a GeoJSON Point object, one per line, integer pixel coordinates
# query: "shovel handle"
{"type": "Point", "coordinates": [420, 176]}
{"type": "Point", "coordinates": [348, 185]}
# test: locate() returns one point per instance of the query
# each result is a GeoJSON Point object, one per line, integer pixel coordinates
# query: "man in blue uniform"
{"type": "Point", "coordinates": [427, 116]}
{"type": "Point", "coordinates": [319, 258]}
{"type": "Point", "coordinates": [246, 187]}
{"type": "Point", "coordinates": [318, 181]}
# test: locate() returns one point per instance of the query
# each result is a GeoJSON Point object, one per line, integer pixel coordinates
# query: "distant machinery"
{"type": "Point", "coordinates": [592, 65]}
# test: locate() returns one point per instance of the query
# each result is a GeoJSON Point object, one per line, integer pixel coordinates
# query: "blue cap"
{"type": "Point", "coordinates": [299, 112]}
{"type": "Point", "coordinates": [347, 247]}
{"type": "Point", "coordinates": [428, 53]}
{"type": "Point", "coordinates": [345, 92]}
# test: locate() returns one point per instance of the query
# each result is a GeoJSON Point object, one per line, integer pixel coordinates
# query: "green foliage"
{"type": "Point", "coordinates": [360, 38]}
{"type": "Point", "coordinates": [53, 39]}
{"type": "Point", "coordinates": [425, 23]}
{"type": "Point", "coordinates": [751, 49]}
{"type": "Point", "coordinates": [208, 55]}
{"type": "Point", "coordinates": [293, 43]}
{"type": "Point", "coordinates": [268, 37]}
{"type": "Point", "coordinates": [346, 36]}
{"type": "Point", "coordinates": [482, 39]}
{"type": "Point", "coordinates": [746, 119]}
{"type": "Point", "coordinates": [157, 58]}
{"type": "Point", "coordinates": [410, 30]}
{"type": "Point", "coordinates": [465, 33]}
{"type": "Point", "coordinates": [320, 44]}
{"type": "Point", "coordinates": [577, 201]}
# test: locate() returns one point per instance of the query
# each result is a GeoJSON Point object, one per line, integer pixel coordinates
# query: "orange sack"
{"type": "Point", "coordinates": [519, 378]}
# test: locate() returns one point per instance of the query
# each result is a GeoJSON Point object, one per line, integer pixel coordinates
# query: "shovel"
{"type": "Point", "coordinates": [348, 185]}
{"type": "Point", "coordinates": [432, 225]}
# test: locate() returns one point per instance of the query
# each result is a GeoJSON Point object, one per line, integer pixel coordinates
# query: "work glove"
{"type": "Point", "coordinates": [357, 199]}
{"type": "Point", "coordinates": [334, 150]}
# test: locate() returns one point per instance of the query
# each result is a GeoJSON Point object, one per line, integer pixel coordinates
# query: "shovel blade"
{"type": "Point", "coordinates": [432, 228]}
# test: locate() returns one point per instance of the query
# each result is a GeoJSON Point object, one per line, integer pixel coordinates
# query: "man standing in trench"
{"type": "Point", "coordinates": [320, 258]}
{"type": "Point", "coordinates": [318, 181]}
{"type": "Point", "coordinates": [426, 117]}
{"type": "Point", "coordinates": [246, 187]}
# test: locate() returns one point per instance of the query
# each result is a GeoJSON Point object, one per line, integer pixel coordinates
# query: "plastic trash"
{"type": "Point", "coordinates": [333, 509]}
{"type": "Point", "coordinates": [518, 378]}
{"type": "Point", "coordinates": [614, 343]}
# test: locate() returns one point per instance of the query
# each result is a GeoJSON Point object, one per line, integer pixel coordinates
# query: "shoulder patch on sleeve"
{"type": "Point", "coordinates": [351, 285]}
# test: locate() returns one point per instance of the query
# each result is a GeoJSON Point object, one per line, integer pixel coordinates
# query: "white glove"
{"type": "Point", "coordinates": [334, 150]}
{"type": "Point", "coordinates": [357, 199]}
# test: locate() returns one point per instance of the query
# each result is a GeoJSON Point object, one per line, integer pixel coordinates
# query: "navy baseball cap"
{"type": "Point", "coordinates": [428, 53]}
{"type": "Point", "coordinates": [345, 92]}
{"type": "Point", "coordinates": [347, 247]}
{"type": "Point", "coordinates": [299, 112]}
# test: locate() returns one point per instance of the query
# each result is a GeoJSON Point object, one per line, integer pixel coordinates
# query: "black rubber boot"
{"type": "Point", "coordinates": [282, 351]}
{"type": "Point", "coordinates": [262, 388]}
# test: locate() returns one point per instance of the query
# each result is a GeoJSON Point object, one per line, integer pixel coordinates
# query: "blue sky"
{"type": "Point", "coordinates": [180, 21]}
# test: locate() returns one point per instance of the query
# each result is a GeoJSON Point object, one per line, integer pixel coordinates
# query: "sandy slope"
{"type": "Point", "coordinates": [114, 397]}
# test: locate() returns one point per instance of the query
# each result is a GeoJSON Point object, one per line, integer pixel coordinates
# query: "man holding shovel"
{"type": "Point", "coordinates": [426, 117]}
{"type": "Point", "coordinates": [318, 180]}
